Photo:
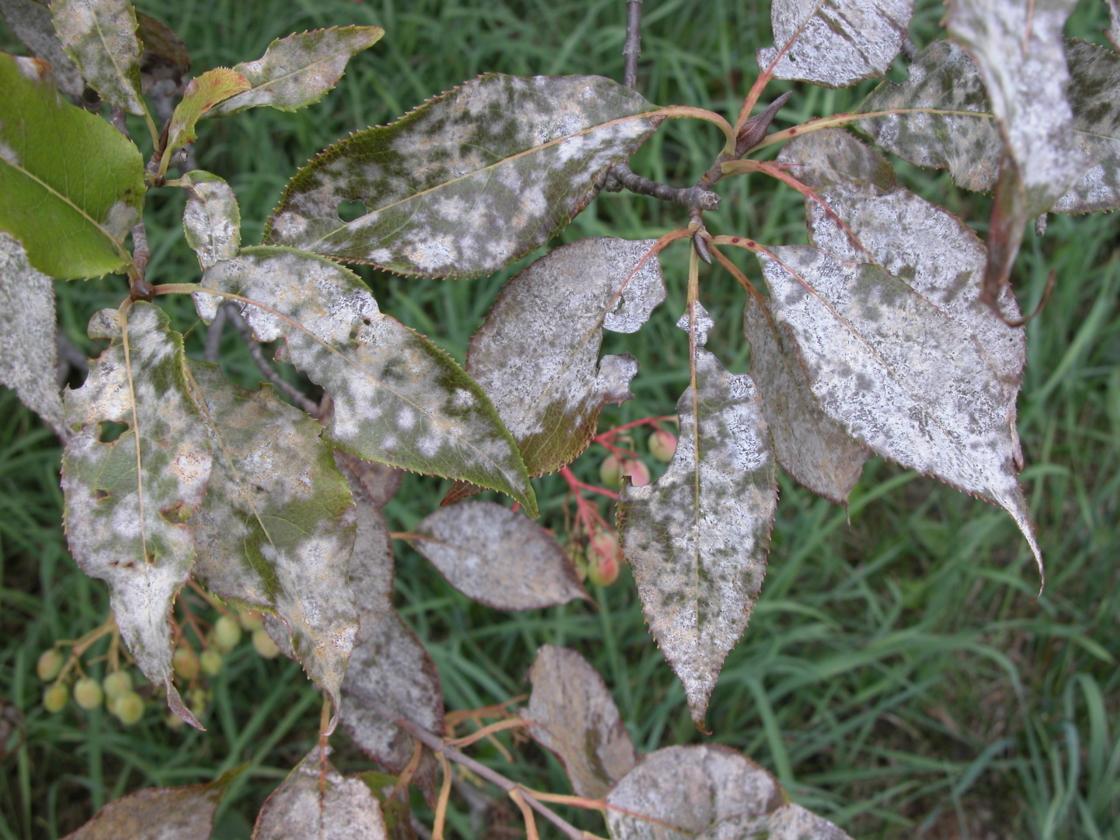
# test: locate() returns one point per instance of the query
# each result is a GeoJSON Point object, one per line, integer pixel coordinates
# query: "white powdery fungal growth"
{"type": "Point", "coordinates": [100, 36]}
{"type": "Point", "coordinates": [211, 219]}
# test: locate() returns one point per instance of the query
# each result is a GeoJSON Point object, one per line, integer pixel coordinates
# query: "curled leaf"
{"type": "Point", "coordinates": [203, 93]}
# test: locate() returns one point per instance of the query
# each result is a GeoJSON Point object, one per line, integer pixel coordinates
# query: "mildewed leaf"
{"type": "Point", "coordinates": [296, 71]}
{"type": "Point", "coordinates": [31, 22]}
{"type": "Point", "coordinates": [165, 57]}
{"type": "Point", "coordinates": [28, 356]}
{"type": "Point", "coordinates": [573, 715]}
{"type": "Point", "coordinates": [71, 216]}
{"type": "Point", "coordinates": [498, 557]}
{"type": "Point", "coordinates": [469, 181]}
{"type": "Point", "coordinates": [127, 500]}
{"type": "Point", "coordinates": [270, 533]}
{"type": "Point", "coordinates": [696, 538]}
{"type": "Point", "coordinates": [211, 218]}
{"type": "Point", "coordinates": [836, 43]}
{"type": "Point", "coordinates": [202, 94]}
{"type": "Point", "coordinates": [788, 822]}
{"type": "Point", "coordinates": [537, 354]}
{"type": "Point", "coordinates": [100, 35]}
{"type": "Point", "coordinates": [398, 399]}
{"type": "Point", "coordinates": [902, 376]}
{"type": "Point", "coordinates": [315, 802]}
{"type": "Point", "coordinates": [1113, 31]}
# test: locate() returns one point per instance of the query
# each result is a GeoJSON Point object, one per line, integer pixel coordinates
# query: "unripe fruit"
{"type": "Point", "coordinates": [116, 684]}
{"type": "Point", "coordinates": [129, 708]}
{"type": "Point", "coordinates": [264, 644]}
{"type": "Point", "coordinates": [50, 664]}
{"type": "Point", "coordinates": [55, 697]}
{"type": "Point", "coordinates": [610, 472]}
{"type": "Point", "coordinates": [252, 621]}
{"type": "Point", "coordinates": [227, 633]}
{"type": "Point", "coordinates": [662, 445]}
{"type": "Point", "coordinates": [185, 662]}
{"type": "Point", "coordinates": [88, 693]}
{"type": "Point", "coordinates": [602, 571]}
{"type": "Point", "coordinates": [211, 662]}
{"type": "Point", "coordinates": [197, 700]}
{"type": "Point", "coordinates": [637, 472]}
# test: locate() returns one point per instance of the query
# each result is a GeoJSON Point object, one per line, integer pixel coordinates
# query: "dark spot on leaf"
{"type": "Point", "coordinates": [101, 494]}
{"type": "Point", "coordinates": [348, 211]}
{"type": "Point", "coordinates": [110, 431]}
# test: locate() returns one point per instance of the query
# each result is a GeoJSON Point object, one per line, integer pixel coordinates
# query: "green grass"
{"type": "Point", "coordinates": [899, 674]}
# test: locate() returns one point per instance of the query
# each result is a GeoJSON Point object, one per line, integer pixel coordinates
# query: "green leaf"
{"type": "Point", "coordinates": [71, 216]}
{"type": "Point", "coordinates": [28, 356]}
{"type": "Point", "coordinates": [100, 35]}
{"type": "Point", "coordinates": [296, 71]}
{"type": "Point", "coordinates": [127, 500]}
{"type": "Point", "coordinates": [469, 181]}
{"type": "Point", "coordinates": [696, 538]}
{"type": "Point", "coordinates": [271, 533]}
{"type": "Point", "coordinates": [398, 399]}
{"type": "Point", "coordinates": [537, 353]}
{"type": "Point", "coordinates": [902, 376]}
{"type": "Point", "coordinates": [31, 22]}
{"type": "Point", "coordinates": [498, 557]}
{"type": "Point", "coordinates": [201, 95]}
{"type": "Point", "coordinates": [211, 218]}
{"type": "Point", "coordinates": [836, 43]}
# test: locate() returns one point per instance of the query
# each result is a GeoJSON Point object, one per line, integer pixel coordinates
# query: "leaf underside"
{"type": "Point", "coordinates": [468, 182]}
{"type": "Point", "coordinates": [398, 399]}
{"type": "Point", "coordinates": [100, 36]}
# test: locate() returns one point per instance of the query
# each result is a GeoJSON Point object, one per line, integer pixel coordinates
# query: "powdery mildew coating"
{"type": "Point", "coordinates": [100, 35]}
{"type": "Point", "coordinates": [842, 42]}
{"type": "Point", "coordinates": [181, 811]}
{"type": "Point", "coordinates": [31, 22]}
{"type": "Point", "coordinates": [1018, 49]}
{"type": "Point", "coordinates": [271, 532]}
{"type": "Point", "coordinates": [498, 557]}
{"type": "Point", "coordinates": [316, 801]}
{"type": "Point", "coordinates": [899, 374]}
{"type": "Point", "coordinates": [126, 501]}
{"type": "Point", "coordinates": [689, 788]}
{"type": "Point", "coordinates": [211, 219]}
{"type": "Point", "coordinates": [789, 822]}
{"type": "Point", "coordinates": [574, 716]}
{"type": "Point", "coordinates": [398, 399]}
{"type": "Point", "coordinates": [467, 182]}
{"type": "Point", "coordinates": [696, 538]}
{"type": "Point", "coordinates": [537, 354]}
{"type": "Point", "coordinates": [297, 70]}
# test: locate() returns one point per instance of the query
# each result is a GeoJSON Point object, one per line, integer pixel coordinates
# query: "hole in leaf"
{"type": "Point", "coordinates": [110, 431]}
{"type": "Point", "coordinates": [101, 495]}
{"type": "Point", "coordinates": [348, 211]}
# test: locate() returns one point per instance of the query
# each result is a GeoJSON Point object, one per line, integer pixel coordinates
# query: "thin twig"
{"type": "Point", "coordinates": [633, 47]}
{"type": "Point", "coordinates": [141, 289]}
{"type": "Point", "coordinates": [622, 177]}
{"type": "Point", "coordinates": [213, 351]}
{"type": "Point", "coordinates": [258, 356]}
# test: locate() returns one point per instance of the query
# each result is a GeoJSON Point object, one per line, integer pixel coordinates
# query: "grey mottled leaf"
{"type": "Point", "coordinates": [28, 355]}
{"type": "Point", "coordinates": [789, 822]}
{"type": "Point", "coordinates": [31, 22]}
{"type": "Point", "coordinates": [836, 43]}
{"type": "Point", "coordinates": [574, 716]}
{"type": "Point", "coordinates": [398, 399]}
{"type": "Point", "coordinates": [100, 35]}
{"type": "Point", "coordinates": [468, 182]}
{"type": "Point", "coordinates": [687, 790]}
{"type": "Point", "coordinates": [1113, 31]}
{"type": "Point", "coordinates": [537, 354]}
{"type": "Point", "coordinates": [127, 501]}
{"type": "Point", "coordinates": [296, 71]}
{"type": "Point", "coordinates": [316, 803]}
{"type": "Point", "coordinates": [211, 218]}
{"type": "Point", "coordinates": [376, 482]}
{"type": "Point", "coordinates": [270, 533]}
{"type": "Point", "coordinates": [696, 538]}
{"type": "Point", "coordinates": [901, 375]}
{"type": "Point", "coordinates": [498, 557]}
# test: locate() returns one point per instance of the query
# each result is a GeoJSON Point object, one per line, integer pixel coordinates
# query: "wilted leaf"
{"type": "Point", "coordinates": [398, 399]}
{"type": "Point", "coordinates": [686, 790]}
{"type": "Point", "coordinates": [696, 538]}
{"type": "Point", "coordinates": [71, 216]}
{"type": "Point", "coordinates": [211, 218]}
{"type": "Point", "coordinates": [901, 375]}
{"type": "Point", "coordinates": [31, 22]}
{"type": "Point", "coordinates": [296, 71]}
{"type": "Point", "coordinates": [127, 500]}
{"type": "Point", "coordinates": [836, 43]}
{"type": "Point", "coordinates": [28, 356]}
{"type": "Point", "coordinates": [789, 822]}
{"type": "Point", "coordinates": [201, 95]}
{"type": "Point", "coordinates": [100, 35]}
{"type": "Point", "coordinates": [270, 533]}
{"type": "Point", "coordinates": [574, 716]}
{"type": "Point", "coordinates": [498, 557]}
{"type": "Point", "coordinates": [537, 354]}
{"type": "Point", "coordinates": [175, 813]}
{"type": "Point", "coordinates": [165, 56]}
{"type": "Point", "coordinates": [316, 803]}
{"type": "Point", "coordinates": [468, 182]}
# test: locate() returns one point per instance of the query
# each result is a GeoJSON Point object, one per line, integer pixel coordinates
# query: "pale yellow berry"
{"type": "Point", "coordinates": [211, 662]}
{"type": "Point", "coordinates": [227, 633]}
{"type": "Point", "coordinates": [185, 662]}
{"type": "Point", "coordinates": [50, 664]}
{"type": "Point", "coordinates": [116, 684]}
{"type": "Point", "coordinates": [252, 621]}
{"type": "Point", "coordinates": [610, 472]}
{"type": "Point", "coordinates": [264, 644]}
{"type": "Point", "coordinates": [55, 697]}
{"type": "Point", "coordinates": [88, 693]}
{"type": "Point", "coordinates": [129, 708]}
{"type": "Point", "coordinates": [662, 445]}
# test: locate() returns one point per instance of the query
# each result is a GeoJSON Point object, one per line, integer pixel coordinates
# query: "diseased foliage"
{"type": "Point", "coordinates": [893, 332]}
